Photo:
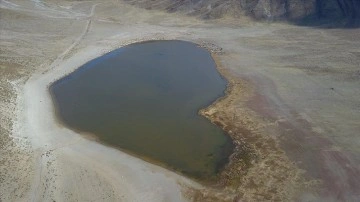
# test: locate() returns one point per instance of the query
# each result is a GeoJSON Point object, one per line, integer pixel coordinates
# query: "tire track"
{"type": "Point", "coordinates": [54, 64]}
{"type": "Point", "coordinates": [86, 30]}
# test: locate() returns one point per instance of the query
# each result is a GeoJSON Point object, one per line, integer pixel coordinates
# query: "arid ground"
{"type": "Point", "coordinates": [292, 106]}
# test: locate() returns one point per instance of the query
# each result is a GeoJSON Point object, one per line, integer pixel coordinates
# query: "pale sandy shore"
{"type": "Point", "coordinates": [94, 171]}
{"type": "Point", "coordinates": [297, 87]}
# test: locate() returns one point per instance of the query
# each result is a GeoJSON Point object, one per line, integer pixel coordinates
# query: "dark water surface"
{"type": "Point", "coordinates": [144, 98]}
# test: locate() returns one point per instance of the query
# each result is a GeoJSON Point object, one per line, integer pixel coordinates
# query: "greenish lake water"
{"type": "Point", "coordinates": [144, 98]}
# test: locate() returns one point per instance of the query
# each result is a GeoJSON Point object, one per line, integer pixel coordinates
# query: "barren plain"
{"type": "Point", "coordinates": [292, 106]}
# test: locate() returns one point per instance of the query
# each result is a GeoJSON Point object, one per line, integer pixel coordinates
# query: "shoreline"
{"type": "Point", "coordinates": [228, 180]}
{"type": "Point", "coordinates": [211, 49]}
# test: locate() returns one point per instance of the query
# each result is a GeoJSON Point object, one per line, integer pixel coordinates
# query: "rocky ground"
{"type": "Point", "coordinates": [292, 107]}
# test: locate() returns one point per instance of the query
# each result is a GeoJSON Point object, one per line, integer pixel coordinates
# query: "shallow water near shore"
{"type": "Point", "coordinates": [144, 98]}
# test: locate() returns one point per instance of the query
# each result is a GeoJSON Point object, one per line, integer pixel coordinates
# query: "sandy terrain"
{"type": "Point", "coordinates": [293, 107]}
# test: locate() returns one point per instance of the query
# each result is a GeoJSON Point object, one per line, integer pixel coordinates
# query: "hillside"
{"type": "Point", "coordinates": [339, 12]}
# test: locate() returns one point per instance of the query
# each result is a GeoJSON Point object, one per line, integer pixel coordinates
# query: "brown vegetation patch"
{"type": "Point", "coordinates": [258, 169]}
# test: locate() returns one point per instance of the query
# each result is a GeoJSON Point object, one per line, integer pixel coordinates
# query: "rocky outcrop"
{"type": "Point", "coordinates": [299, 9]}
{"type": "Point", "coordinates": [278, 9]}
{"type": "Point", "coordinates": [339, 11]}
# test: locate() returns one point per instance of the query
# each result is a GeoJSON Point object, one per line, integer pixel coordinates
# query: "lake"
{"type": "Point", "coordinates": [144, 99]}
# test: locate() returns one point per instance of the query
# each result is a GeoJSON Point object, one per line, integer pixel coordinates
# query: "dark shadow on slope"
{"type": "Point", "coordinates": [328, 23]}
{"type": "Point", "coordinates": [333, 14]}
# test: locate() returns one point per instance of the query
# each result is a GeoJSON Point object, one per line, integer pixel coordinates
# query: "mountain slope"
{"type": "Point", "coordinates": [346, 12]}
